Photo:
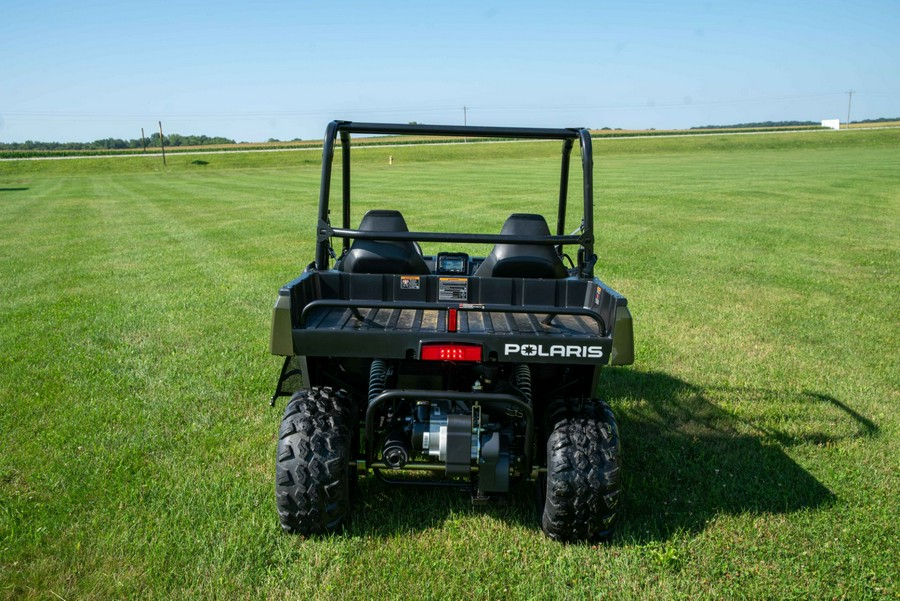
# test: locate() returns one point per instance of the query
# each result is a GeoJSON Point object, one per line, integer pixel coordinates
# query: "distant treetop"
{"type": "Point", "coordinates": [787, 123]}
{"type": "Point", "coordinates": [117, 143]}
{"type": "Point", "coordinates": [759, 124]}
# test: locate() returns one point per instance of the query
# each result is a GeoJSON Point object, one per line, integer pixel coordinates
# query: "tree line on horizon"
{"type": "Point", "coordinates": [151, 141]}
{"type": "Point", "coordinates": [787, 123]}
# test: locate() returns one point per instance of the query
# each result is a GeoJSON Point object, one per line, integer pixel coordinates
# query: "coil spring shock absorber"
{"type": "Point", "coordinates": [522, 381]}
{"type": "Point", "coordinates": [395, 452]}
{"type": "Point", "coordinates": [377, 378]}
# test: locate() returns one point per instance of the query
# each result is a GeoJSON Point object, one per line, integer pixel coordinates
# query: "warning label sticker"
{"type": "Point", "coordinates": [453, 289]}
{"type": "Point", "coordinates": [409, 282]}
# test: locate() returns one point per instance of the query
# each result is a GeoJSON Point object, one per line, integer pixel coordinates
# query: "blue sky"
{"type": "Point", "coordinates": [78, 71]}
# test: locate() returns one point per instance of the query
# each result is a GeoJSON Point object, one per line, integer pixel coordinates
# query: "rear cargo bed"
{"type": "Point", "coordinates": [514, 319]}
{"type": "Point", "coordinates": [433, 320]}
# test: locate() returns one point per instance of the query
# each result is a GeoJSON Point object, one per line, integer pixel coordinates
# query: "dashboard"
{"type": "Point", "coordinates": [452, 263]}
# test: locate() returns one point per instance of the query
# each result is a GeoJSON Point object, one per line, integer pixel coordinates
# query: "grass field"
{"type": "Point", "coordinates": [759, 422]}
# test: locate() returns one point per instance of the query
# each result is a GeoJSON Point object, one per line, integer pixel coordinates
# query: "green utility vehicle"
{"type": "Point", "coordinates": [449, 369]}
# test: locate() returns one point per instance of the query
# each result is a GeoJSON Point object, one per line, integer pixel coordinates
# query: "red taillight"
{"type": "Point", "coordinates": [451, 320]}
{"type": "Point", "coordinates": [443, 351]}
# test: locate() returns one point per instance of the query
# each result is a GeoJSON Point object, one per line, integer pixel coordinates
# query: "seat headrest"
{"type": "Point", "coordinates": [381, 220]}
{"type": "Point", "coordinates": [525, 224]}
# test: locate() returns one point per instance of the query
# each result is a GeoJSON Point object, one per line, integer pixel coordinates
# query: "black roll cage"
{"type": "Point", "coordinates": [585, 240]}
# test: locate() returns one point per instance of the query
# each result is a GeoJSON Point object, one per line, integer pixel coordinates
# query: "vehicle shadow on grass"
{"type": "Point", "coordinates": [687, 459]}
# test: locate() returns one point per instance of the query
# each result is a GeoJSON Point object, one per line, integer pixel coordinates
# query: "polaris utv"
{"type": "Point", "coordinates": [450, 369]}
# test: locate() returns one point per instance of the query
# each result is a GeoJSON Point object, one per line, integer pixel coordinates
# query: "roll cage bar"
{"type": "Point", "coordinates": [585, 240]}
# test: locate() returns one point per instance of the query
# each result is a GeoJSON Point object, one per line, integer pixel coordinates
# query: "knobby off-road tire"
{"type": "Point", "coordinates": [582, 487]}
{"type": "Point", "coordinates": [312, 475]}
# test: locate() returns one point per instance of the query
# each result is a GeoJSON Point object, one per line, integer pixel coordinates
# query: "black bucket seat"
{"type": "Point", "coordinates": [523, 260]}
{"type": "Point", "coordinates": [383, 256]}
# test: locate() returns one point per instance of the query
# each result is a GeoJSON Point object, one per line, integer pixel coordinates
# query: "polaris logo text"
{"type": "Point", "coordinates": [557, 350]}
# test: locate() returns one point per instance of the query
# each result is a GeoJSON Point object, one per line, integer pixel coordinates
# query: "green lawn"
{"type": "Point", "coordinates": [759, 422]}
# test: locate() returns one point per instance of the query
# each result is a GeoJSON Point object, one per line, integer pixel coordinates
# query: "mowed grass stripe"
{"type": "Point", "coordinates": [255, 217]}
{"type": "Point", "coordinates": [61, 407]}
{"type": "Point", "coordinates": [756, 244]}
{"type": "Point", "coordinates": [144, 327]}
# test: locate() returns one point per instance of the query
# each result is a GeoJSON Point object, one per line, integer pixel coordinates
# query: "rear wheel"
{"type": "Point", "coordinates": [312, 472]}
{"type": "Point", "coordinates": [582, 488]}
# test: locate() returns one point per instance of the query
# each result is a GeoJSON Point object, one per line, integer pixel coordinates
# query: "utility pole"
{"type": "Point", "coordinates": [465, 121]}
{"type": "Point", "coordinates": [849, 100]}
{"type": "Point", "coordinates": [162, 143]}
{"type": "Point", "coordinates": [143, 140]}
